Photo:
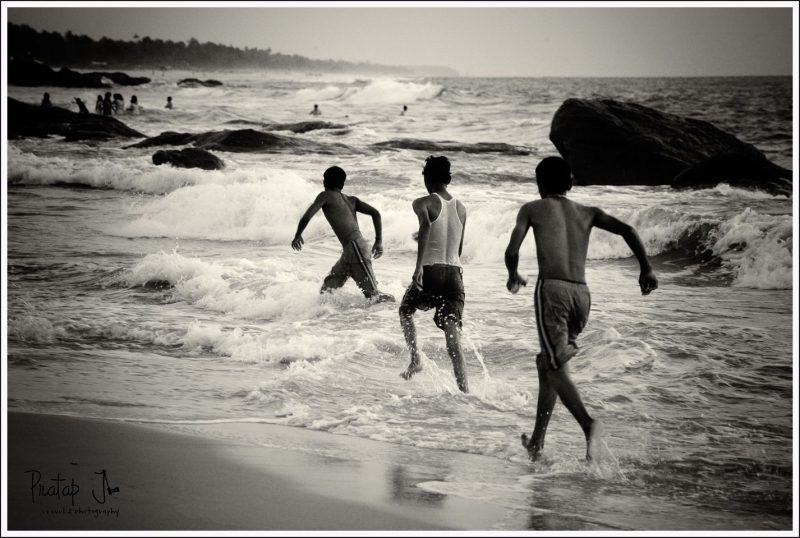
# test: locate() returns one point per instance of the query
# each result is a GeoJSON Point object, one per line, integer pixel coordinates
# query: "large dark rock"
{"type": "Point", "coordinates": [188, 158]}
{"type": "Point", "coordinates": [25, 120]}
{"type": "Point", "coordinates": [607, 142]}
{"type": "Point", "coordinates": [194, 83]}
{"type": "Point", "coordinates": [743, 171]}
{"type": "Point", "coordinates": [31, 73]}
{"type": "Point", "coordinates": [243, 140]}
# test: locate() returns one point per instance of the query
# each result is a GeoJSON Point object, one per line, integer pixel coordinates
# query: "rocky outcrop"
{"type": "Point", "coordinates": [30, 73]}
{"type": "Point", "coordinates": [194, 83]}
{"type": "Point", "coordinates": [303, 126]}
{"type": "Point", "coordinates": [188, 158]}
{"type": "Point", "coordinates": [298, 127]}
{"type": "Point", "coordinates": [607, 142]}
{"type": "Point", "coordinates": [26, 120]}
{"type": "Point", "coordinates": [167, 138]}
{"type": "Point", "coordinates": [243, 140]}
{"type": "Point", "coordinates": [447, 146]}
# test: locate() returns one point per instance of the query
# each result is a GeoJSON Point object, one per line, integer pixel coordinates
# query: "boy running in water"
{"type": "Point", "coordinates": [561, 229]}
{"type": "Point", "coordinates": [340, 211]}
{"type": "Point", "coordinates": [437, 282]}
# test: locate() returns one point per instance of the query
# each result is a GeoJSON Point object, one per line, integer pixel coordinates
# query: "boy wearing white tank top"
{"type": "Point", "coordinates": [437, 280]}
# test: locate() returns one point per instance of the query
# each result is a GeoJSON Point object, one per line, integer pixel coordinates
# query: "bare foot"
{"type": "Point", "coordinates": [412, 369]}
{"type": "Point", "coordinates": [533, 452]}
{"type": "Point", "coordinates": [383, 298]}
{"type": "Point", "coordinates": [593, 440]}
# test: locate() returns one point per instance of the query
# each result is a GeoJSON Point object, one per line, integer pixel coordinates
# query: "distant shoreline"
{"type": "Point", "coordinates": [400, 74]}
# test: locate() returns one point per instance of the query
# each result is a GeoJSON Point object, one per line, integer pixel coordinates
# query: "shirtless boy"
{"type": "Point", "coordinates": [340, 211]}
{"type": "Point", "coordinates": [437, 282]}
{"type": "Point", "coordinates": [561, 229]}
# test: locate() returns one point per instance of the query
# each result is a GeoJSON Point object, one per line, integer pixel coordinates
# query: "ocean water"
{"type": "Point", "coordinates": [171, 296]}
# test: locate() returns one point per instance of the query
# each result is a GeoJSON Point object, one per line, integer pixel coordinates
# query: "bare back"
{"type": "Point", "coordinates": [340, 211]}
{"type": "Point", "coordinates": [561, 229]}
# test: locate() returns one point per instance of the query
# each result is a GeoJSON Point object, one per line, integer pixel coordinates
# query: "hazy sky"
{"type": "Point", "coordinates": [488, 41]}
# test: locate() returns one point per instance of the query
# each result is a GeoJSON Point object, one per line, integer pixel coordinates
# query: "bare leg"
{"type": "Point", "coordinates": [570, 397]}
{"type": "Point", "coordinates": [381, 298]}
{"type": "Point", "coordinates": [453, 340]}
{"type": "Point", "coordinates": [410, 334]}
{"type": "Point", "coordinates": [333, 281]}
{"type": "Point", "coordinates": [544, 410]}
{"type": "Point", "coordinates": [370, 291]}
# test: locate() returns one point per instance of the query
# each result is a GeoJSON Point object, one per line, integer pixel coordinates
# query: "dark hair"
{"type": "Point", "coordinates": [437, 170]}
{"type": "Point", "coordinates": [334, 178]}
{"type": "Point", "coordinates": [553, 176]}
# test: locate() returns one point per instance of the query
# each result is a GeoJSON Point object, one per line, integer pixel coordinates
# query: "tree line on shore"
{"type": "Point", "coordinates": [52, 48]}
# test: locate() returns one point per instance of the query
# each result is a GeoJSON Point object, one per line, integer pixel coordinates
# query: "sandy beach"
{"type": "Point", "coordinates": [176, 481]}
{"type": "Point", "coordinates": [170, 363]}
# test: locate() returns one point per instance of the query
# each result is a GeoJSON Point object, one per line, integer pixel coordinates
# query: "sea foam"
{"type": "Point", "coordinates": [263, 289]}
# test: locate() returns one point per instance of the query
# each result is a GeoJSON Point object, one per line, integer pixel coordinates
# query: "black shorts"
{"type": "Point", "coordinates": [442, 289]}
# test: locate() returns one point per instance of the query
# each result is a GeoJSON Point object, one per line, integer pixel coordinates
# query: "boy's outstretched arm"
{"type": "Point", "coordinates": [319, 201]}
{"type": "Point", "coordinates": [363, 207]}
{"type": "Point", "coordinates": [515, 281]}
{"type": "Point", "coordinates": [647, 278]}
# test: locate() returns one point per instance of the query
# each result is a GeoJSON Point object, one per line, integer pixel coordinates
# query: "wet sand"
{"type": "Point", "coordinates": [174, 481]}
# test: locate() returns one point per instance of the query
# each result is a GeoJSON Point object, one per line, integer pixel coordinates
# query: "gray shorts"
{"type": "Point", "coordinates": [562, 310]}
{"type": "Point", "coordinates": [355, 263]}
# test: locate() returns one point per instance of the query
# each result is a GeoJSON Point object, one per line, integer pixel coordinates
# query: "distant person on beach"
{"type": "Point", "coordinates": [98, 105]}
{"type": "Point", "coordinates": [561, 230]}
{"type": "Point", "coordinates": [133, 108]}
{"type": "Point", "coordinates": [437, 280]}
{"type": "Point", "coordinates": [46, 100]}
{"type": "Point", "coordinates": [119, 103]}
{"type": "Point", "coordinates": [405, 109]}
{"type": "Point", "coordinates": [81, 106]}
{"type": "Point", "coordinates": [169, 102]}
{"type": "Point", "coordinates": [315, 111]}
{"type": "Point", "coordinates": [108, 106]}
{"type": "Point", "coordinates": [340, 211]}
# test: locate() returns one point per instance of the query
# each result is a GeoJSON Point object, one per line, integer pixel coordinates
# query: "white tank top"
{"type": "Point", "coordinates": [445, 236]}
